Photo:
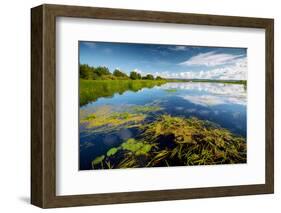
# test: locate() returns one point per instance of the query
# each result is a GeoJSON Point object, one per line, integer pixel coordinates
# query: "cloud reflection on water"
{"type": "Point", "coordinates": [210, 94]}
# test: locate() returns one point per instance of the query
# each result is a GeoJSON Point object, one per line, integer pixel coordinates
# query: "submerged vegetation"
{"type": "Point", "coordinates": [104, 120]}
{"type": "Point", "coordinates": [172, 141]}
{"type": "Point", "coordinates": [113, 121]}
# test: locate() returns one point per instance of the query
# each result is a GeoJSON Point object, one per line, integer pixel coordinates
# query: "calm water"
{"type": "Point", "coordinates": [223, 104]}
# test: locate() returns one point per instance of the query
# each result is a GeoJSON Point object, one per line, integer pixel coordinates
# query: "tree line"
{"type": "Point", "coordinates": [103, 73]}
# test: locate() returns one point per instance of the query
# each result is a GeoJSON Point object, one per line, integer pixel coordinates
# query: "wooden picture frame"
{"type": "Point", "coordinates": [43, 105]}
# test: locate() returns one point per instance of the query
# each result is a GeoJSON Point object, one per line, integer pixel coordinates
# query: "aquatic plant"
{"type": "Point", "coordinates": [90, 117]}
{"type": "Point", "coordinates": [171, 90]}
{"type": "Point", "coordinates": [145, 108]}
{"type": "Point", "coordinates": [136, 147]}
{"type": "Point", "coordinates": [177, 141]}
{"type": "Point", "coordinates": [129, 153]}
{"type": "Point", "coordinates": [112, 121]}
{"type": "Point", "coordinates": [105, 119]}
{"type": "Point", "coordinates": [196, 142]}
{"type": "Point", "coordinates": [98, 160]}
{"type": "Point", "coordinates": [112, 151]}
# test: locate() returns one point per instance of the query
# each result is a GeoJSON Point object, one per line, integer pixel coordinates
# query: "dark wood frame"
{"type": "Point", "coordinates": [43, 105]}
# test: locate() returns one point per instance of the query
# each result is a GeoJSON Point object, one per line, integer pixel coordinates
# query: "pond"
{"type": "Point", "coordinates": [107, 122]}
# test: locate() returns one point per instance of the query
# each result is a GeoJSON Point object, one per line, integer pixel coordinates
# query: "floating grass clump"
{"type": "Point", "coordinates": [90, 117]}
{"type": "Point", "coordinates": [171, 90]}
{"type": "Point", "coordinates": [112, 121]}
{"type": "Point", "coordinates": [103, 119]}
{"type": "Point", "coordinates": [176, 141]}
{"type": "Point", "coordinates": [145, 109]}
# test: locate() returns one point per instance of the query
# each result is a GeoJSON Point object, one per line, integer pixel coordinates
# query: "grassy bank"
{"type": "Point", "coordinates": [91, 90]}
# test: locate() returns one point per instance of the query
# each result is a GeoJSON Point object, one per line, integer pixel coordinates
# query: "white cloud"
{"type": "Point", "coordinates": [235, 71]}
{"type": "Point", "coordinates": [144, 73]}
{"type": "Point", "coordinates": [212, 100]}
{"type": "Point", "coordinates": [204, 100]}
{"type": "Point", "coordinates": [210, 59]}
{"type": "Point", "coordinates": [138, 71]}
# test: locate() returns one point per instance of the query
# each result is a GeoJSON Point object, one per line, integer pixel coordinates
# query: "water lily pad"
{"type": "Point", "coordinates": [98, 160]}
{"type": "Point", "coordinates": [112, 151]}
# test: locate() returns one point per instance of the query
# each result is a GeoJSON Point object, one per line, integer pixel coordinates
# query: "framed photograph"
{"type": "Point", "coordinates": [137, 106]}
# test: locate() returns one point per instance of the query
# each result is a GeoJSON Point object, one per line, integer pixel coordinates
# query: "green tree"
{"type": "Point", "coordinates": [149, 77]}
{"type": "Point", "coordinates": [85, 71]}
{"type": "Point", "coordinates": [158, 78]}
{"type": "Point", "coordinates": [102, 71]}
{"type": "Point", "coordinates": [134, 75]}
{"type": "Point", "coordinates": [119, 74]}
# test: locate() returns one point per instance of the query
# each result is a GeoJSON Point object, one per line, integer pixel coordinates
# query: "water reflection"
{"type": "Point", "coordinates": [210, 94]}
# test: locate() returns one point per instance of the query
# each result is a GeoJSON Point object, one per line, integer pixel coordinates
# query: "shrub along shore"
{"type": "Point", "coordinates": [102, 73]}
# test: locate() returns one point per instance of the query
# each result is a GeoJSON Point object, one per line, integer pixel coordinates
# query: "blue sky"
{"type": "Point", "coordinates": [169, 61]}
